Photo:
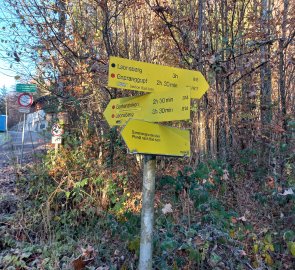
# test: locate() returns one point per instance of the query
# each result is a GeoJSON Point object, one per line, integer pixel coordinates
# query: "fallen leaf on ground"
{"type": "Point", "coordinates": [242, 218]}
{"type": "Point", "coordinates": [167, 209]}
{"type": "Point", "coordinates": [80, 263]}
{"type": "Point", "coordinates": [288, 191]}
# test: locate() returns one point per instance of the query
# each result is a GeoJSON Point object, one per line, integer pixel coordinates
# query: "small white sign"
{"type": "Point", "coordinates": [24, 110]}
{"type": "Point", "coordinates": [56, 139]}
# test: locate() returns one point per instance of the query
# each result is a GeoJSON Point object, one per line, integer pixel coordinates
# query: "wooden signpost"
{"type": "Point", "coordinates": [170, 91]}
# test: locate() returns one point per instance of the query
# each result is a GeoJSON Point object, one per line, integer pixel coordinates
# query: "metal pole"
{"type": "Point", "coordinates": [31, 137]}
{"type": "Point", "coordinates": [6, 119]}
{"type": "Point", "coordinates": [23, 139]}
{"type": "Point", "coordinates": [147, 213]}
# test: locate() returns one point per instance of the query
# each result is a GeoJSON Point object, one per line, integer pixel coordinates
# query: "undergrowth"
{"type": "Point", "coordinates": [208, 217]}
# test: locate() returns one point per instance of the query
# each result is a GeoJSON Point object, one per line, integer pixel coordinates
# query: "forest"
{"type": "Point", "coordinates": [228, 205]}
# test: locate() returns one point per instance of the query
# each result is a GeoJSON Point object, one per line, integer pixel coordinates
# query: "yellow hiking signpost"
{"type": "Point", "coordinates": [153, 107]}
{"type": "Point", "coordinates": [149, 138]}
{"type": "Point", "coordinates": [170, 90]}
{"type": "Point", "coordinates": [146, 77]}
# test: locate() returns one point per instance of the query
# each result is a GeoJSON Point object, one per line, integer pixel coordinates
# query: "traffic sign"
{"type": "Point", "coordinates": [149, 138]}
{"type": "Point", "coordinates": [24, 109]}
{"type": "Point", "coordinates": [153, 107]}
{"type": "Point", "coordinates": [26, 88]}
{"type": "Point", "coordinates": [57, 130]}
{"type": "Point", "coordinates": [146, 77]}
{"type": "Point", "coordinates": [56, 139]}
{"type": "Point", "coordinates": [25, 100]}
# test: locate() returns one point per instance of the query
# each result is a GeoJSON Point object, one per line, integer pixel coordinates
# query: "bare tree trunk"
{"type": "Point", "coordinates": [106, 29]}
{"type": "Point", "coordinates": [208, 134]}
{"type": "Point", "coordinates": [221, 130]}
{"type": "Point", "coordinates": [265, 80]}
{"type": "Point", "coordinates": [200, 33]}
{"type": "Point", "coordinates": [282, 75]}
{"type": "Point", "coordinates": [110, 50]}
{"type": "Point", "coordinates": [201, 69]}
{"type": "Point", "coordinates": [61, 37]}
{"type": "Point", "coordinates": [282, 84]}
{"type": "Point", "coordinates": [222, 118]}
{"type": "Point", "coordinates": [230, 53]}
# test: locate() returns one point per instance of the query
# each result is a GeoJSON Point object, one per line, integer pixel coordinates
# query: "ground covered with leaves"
{"type": "Point", "coordinates": [73, 212]}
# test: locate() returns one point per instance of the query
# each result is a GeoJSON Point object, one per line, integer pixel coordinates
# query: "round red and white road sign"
{"type": "Point", "coordinates": [56, 130]}
{"type": "Point", "coordinates": [25, 99]}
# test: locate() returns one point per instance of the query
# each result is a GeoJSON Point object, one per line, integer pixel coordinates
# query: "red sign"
{"type": "Point", "coordinates": [25, 100]}
{"type": "Point", "coordinates": [56, 130]}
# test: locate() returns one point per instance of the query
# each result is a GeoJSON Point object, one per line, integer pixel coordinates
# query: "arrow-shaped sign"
{"type": "Point", "coordinates": [146, 77]}
{"type": "Point", "coordinates": [149, 138]}
{"type": "Point", "coordinates": [154, 107]}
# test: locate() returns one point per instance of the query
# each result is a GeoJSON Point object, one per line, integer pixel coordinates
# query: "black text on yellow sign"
{"type": "Point", "coordinates": [149, 138]}
{"type": "Point", "coordinates": [146, 77]}
{"type": "Point", "coordinates": [153, 107]}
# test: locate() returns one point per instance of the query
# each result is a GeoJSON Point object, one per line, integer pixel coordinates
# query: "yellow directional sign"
{"type": "Point", "coordinates": [149, 138]}
{"type": "Point", "coordinates": [153, 107]}
{"type": "Point", "coordinates": [146, 77]}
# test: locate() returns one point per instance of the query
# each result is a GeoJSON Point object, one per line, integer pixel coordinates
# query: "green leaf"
{"type": "Point", "coordinates": [268, 239]}
{"type": "Point", "coordinates": [168, 244]}
{"type": "Point", "coordinates": [134, 244]}
{"type": "Point", "coordinates": [291, 247]}
{"type": "Point", "coordinates": [84, 182]}
{"type": "Point", "coordinates": [214, 259]}
{"type": "Point", "coordinates": [289, 236]}
{"type": "Point", "coordinates": [68, 193]}
{"type": "Point", "coordinates": [269, 247]}
{"type": "Point", "coordinates": [268, 259]}
{"type": "Point", "coordinates": [26, 255]}
{"type": "Point", "coordinates": [255, 248]}
{"type": "Point", "coordinates": [194, 255]}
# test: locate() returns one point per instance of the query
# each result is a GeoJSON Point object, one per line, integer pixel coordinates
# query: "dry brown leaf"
{"type": "Point", "coordinates": [87, 252]}
{"type": "Point", "coordinates": [79, 263]}
{"type": "Point", "coordinates": [270, 182]}
{"type": "Point", "coordinates": [234, 220]}
{"type": "Point", "coordinates": [198, 240]}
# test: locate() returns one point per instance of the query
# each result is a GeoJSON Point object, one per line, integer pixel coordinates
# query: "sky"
{"type": "Point", "coordinates": [6, 75]}
{"type": "Point", "coordinates": [14, 38]}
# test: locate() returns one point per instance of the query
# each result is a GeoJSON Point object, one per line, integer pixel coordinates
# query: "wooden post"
{"type": "Point", "coordinates": [56, 149]}
{"type": "Point", "coordinates": [147, 213]}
